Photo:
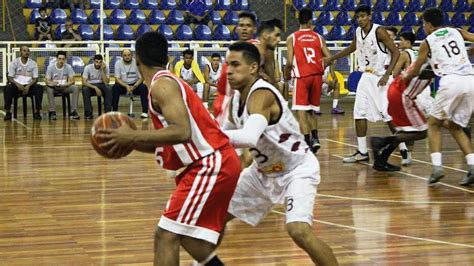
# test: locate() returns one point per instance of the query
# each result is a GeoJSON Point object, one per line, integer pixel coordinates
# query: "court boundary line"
{"type": "Point", "coordinates": [415, 176]}
{"type": "Point", "coordinates": [15, 120]}
{"type": "Point", "coordinates": [386, 233]}
{"type": "Point", "coordinates": [416, 160]}
{"type": "Point", "coordinates": [392, 201]}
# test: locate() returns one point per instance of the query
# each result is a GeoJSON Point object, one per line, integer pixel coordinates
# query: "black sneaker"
{"type": "Point", "coordinates": [8, 116]}
{"type": "Point", "coordinates": [385, 167]}
{"type": "Point", "coordinates": [90, 117]}
{"type": "Point", "coordinates": [468, 179]}
{"type": "Point", "coordinates": [52, 116]}
{"type": "Point", "coordinates": [74, 115]}
{"type": "Point", "coordinates": [37, 116]}
{"type": "Point", "coordinates": [315, 145]}
{"type": "Point", "coordinates": [377, 144]}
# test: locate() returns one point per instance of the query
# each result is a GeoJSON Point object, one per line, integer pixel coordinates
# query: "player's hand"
{"type": "Point", "coordinates": [383, 81]}
{"type": "Point", "coordinates": [117, 141]}
{"type": "Point", "coordinates": [129, 89]}
{"type": "Point", "coordinates": [98, 92]}
{"type": "Point", "coordinates": [327, 61]}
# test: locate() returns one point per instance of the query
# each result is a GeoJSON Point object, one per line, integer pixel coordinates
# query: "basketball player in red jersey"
{"type": "Point", "coordinates": [305, 63]}
{"type": "Point", "coordinates": [186, 136]}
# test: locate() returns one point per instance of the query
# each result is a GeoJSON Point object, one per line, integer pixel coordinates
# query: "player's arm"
{"type": "Point", "coordinates": [422, 58]}
{"type": "Point", "coordinates": [401, 63]}
{"type": "Point", "coordinates": [259, 107]}
{"type": "Point", "coordinates": [289, 57]}
{"type": "Point", "coordinates": [467, 35]}
{"type": "Point", "coordinates": [269, 66]}
{"type": "Point", "coordinates": [327, 53]}
{"type": "Point", "coordinates": [347, 51]}
{"type": "Point", "coordinates": [395, 54]}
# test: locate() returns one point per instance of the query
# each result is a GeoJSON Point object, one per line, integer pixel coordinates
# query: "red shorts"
{"type": "Point", "coordinates": [198, 206]}
{"type": "Point", "coordinates": [405, 113]}
{"type": "Point", "coordinates": [307, 92]}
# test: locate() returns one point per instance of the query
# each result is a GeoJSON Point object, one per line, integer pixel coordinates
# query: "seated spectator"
{"type": "Point", "coordinates": [212, 72]}
{"type": "Point", "coordinates": [60, 80]}
{"type": "Point", "coordinates": [22, 78]}
{"type": "Point", "coordinates": [70, 34]}
{"type": "Point", "coordinates": [129, 81]}
{"type": "Point", "coordinates": [43, 25]}
{"type": "Point", "coordinates": [198, 13]}
{"type": "Point", "coordinates": [188, 70]}
{"type": "Point", "coordinates": [95, 80]}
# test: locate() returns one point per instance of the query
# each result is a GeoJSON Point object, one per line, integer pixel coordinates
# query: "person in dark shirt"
{"type": "Point", "coordinates": [43, 25]}
{"type": "Point", "coordinates": [70, 34]}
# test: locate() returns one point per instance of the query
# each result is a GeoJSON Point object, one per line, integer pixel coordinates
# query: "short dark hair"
{"type": "Point", "coordinates": [409, 36]}
{"type": "Point", "coordinates": [249, 52]}
{"type": "Point", "coordinates": [249, 15]}
{"type": "Point", "coordinates": [42, 9]}
{"type": "Point", "coordinates": [362, 8]}
{"type": "Point", "coordinates": [98, 57]}
{"type": "Point", "coordinates": [434, 16]}
{"type": "Point", "coordinates": [305, 16]}
{"type": "Point", "coordinates": [152, 49]}
{"type": "Point", "coordinates": [188, 52]}
{"type": "Point", "coordinates": [269, 26]}
{"type": "Point", "coordinates": [215, 55]}
{"type": "Point", "coordinates": [62, 53]}
{"type": "Point", "coordinates": [392, 29]}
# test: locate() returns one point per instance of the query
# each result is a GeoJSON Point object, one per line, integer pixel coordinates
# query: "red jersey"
{"type": "Point", "coordinates": [308, 54]}
{"type": "Point", "coordinates": [206, 137]}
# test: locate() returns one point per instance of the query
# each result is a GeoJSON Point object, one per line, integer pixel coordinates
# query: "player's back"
{"type": "Point", "coordinates": [282, 147]}
{"type": "Point", "coordinates": [372, 55]}
{"type": "Point", "coordinates": [308, 53]}
{"type": "Point", "coordinates": [448, 53]}
{"type": "Point", "coordinates": [206, 137]}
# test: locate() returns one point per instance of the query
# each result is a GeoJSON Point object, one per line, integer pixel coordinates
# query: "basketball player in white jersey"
{"type": "Point", "coordinates": [446, 52]}
{"type": "Point", "coordinates": [372, 45]}
{"type": "Point", "coordinates": [212, 72]}
{"type": "Point", "coordinates": [283, 168]}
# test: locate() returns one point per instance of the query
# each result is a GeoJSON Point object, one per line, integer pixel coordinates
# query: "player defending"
{"type": "Point", "coordinates": [260, 120]}
{"type": "Point", "coordinates": [455, 98]}
{"type": "Point", "coordinates": [370, 42]}
{"type": "Point", "coordinates": [304, 62]}
{"type": "Point", "coordinates": [185, 135]}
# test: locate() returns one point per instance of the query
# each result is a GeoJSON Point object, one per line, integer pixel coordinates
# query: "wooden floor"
{"type": "Point", "coordinates": [62, 204]}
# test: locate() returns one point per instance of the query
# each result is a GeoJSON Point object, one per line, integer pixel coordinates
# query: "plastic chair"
{"type": "Point", "coordinates": [221, 33]}
{"type": "Point", "coordinates": [78, 16]}
{"type": "Point", "coordinates": [231, 18]}
{"type": "Point", "coordinates": [316, 5]}
{"type": "Point", "coordinates": [382, 6]}
{"type": "Point", "coordinates": [471, 20]}
{"type": "Point", "coordinates": [137, 16]}
{"type": "Point", "coordinates": [414, 6]}
{"type": "Point", "coordinates": [94, 4]}
{"type": "Point", "coordinates": [366, 2]}
{"type": "Point", "coordinates": [299, 4]}
{"type": "Point", "coordinates": [33, 3]}
{"type": "Point", "coordinates": [168, 4]}
{"type": "Point", "coordinates": [394, 19]}
{"type": "Point", "coordinates": [59, 30]}
{"type": "Point", "coordinates": [150, 4]}
{"type": "Point", "coordinates": [118, 16]}
{"type": "Point", "coordinates": [216, 17]}
{"type": "Point", "coordinates": [326, 18]}
{"type": "Point", "coordinates": [184, 33]}
{"type": "Point", "coordinates": [156, 17]}
{"type": "Point", "coordinates": [240, 5]}
{"type": "Point", "coordinates": [332, 5]}
{"type": "Point", "coordinates": [446, 19]}
{"type": "Point", "coordinates": [321, 30]}
{"type": "Point", "coordinates": [175, 17]}
{"type": "Point", "coordinates": [58, 16]}
{"type": "Point", "coordinates": [407, 28]}
{"type": "Point", "coordinates": [337, 33]}
{"type": "Point", "coordinates": [24, 98]}
{"type": "Point", "coordinates": [202, 33]}
{"type": "Point", "coordinates": [398, 5]}
{"type": "Point", "coordinates": [349, 36]}
{"type": "Point", "coordinates": [222, 5]}
{"type": "Point", "coordinates": [420, 33]}
{"type": "Point", "coordinates": [86, 32]}
{"type": "Point", "coordinates": [348, 5]}
{"type": "Point", "coordinates": [446, 5]}
{"type": "Point", "coordinates": [463, 6]}
{"type": "Point", "coordinates": [459, 20]}
{"type": "Point", "coordinates": [166, 31]}
{"type": "Point", "coordinates": [34, 15]}
{"type": "Point", "coordinates": [410, 19]}
{"type": "Point", "coordinates": [471, 29]}
{"type": "Point", "coordinates": [112, 4]}
{"type": "Point", "coordinates": [108, 33]}
{"type": "Point", "coordinates": [76, 63]}
{"type": "Point", "coordinates": [94, 17]}
{"type": "Point", "coordinates": [378, 18]}
{"type": "Point", "coordinates": [142, 29]}
{"type": "Point", "coordinates": [125, 32]}
{"type": "Point", "coordinates": [131, 4]}
{"type": "Point", "coordinates": [429, 3]}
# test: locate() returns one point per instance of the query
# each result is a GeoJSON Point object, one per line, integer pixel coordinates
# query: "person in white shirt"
{"type": "Point", "coordinates": [95, 80]}
{"type": "Point", "coordinates": [212, 72]}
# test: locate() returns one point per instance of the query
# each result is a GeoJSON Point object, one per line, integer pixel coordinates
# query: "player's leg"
{"type": "Point", "coordinates": [315, 102]}
{"type": "Point", "coordinates": [205, 96]}
{"type": "Point", "coordinates": [117, 90]}
{"type": "Point", "coordinates": [335, 98]}
{"type": "Point", "coordinates": [166, 248]}
{"type": "Point", "coordinates": [301, 106]}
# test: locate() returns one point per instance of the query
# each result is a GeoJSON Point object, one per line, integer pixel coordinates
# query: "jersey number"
{"type": "Point", "coordinates": [259, 156]}
{"type": "Point", "coordinates": [289, 204]}
{"type": "Point", "coordinates": [454, 48]}
{"type": "Point", "coordinates": [367, 62]}
{"type": "Point", "coordinates": [310, 54]}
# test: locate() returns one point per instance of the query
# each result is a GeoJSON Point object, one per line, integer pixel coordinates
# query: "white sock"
{"type": "Point", "coordinates": [470, 159]}
{"type": "Point", "coordinates": [316, 108]}
{"type": "Point", "coordinates": [209, 258]}
{"type": "Point", "coordinates": [402, 146]}
{"type": "Point", "coordinates": [362, 144]}
{"type": "Point", "coordinates": [334, 103]}
{"type": "Point", "coordinates": [436, 159]}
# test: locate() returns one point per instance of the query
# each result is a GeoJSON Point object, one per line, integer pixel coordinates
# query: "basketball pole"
{"type": "Point", "coordinates": [3, 16]}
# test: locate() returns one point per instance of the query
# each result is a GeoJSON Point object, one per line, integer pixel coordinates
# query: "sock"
{"type": "Point", "coordinates": [316, 108]}
{"type": "Point", "coordinates": [307, 139]}
{"type": "Point", "coordinates": [334, 103]}
{"type": "Point", "coordinates": [436, 158]}
{"type": "Point", "coordinates": [314, 133]}
{"type": "Point", "coordinates": [402, 146]}
{"type": "Point", "coordinates": [362, 144]}
{"type": "Point", "coordinates": [470, 159]}
{"type": "Point", "coordinates": [211, 260]}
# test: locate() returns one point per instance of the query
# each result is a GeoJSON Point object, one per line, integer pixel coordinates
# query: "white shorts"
{"type": "Point", "coordinates": [425, 101]}
{"type": "Point", "coordinates": [371, 101]}
{"type": "Point", "coordinates": [256, 193]}
{"type": "Point", "coordinates": [454, 100]}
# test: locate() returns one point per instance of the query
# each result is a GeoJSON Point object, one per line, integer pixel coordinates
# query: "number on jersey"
{"type": "Point", "coordinates": [453, 48]}
{"type": "Point", "coordinates": [310, 54]}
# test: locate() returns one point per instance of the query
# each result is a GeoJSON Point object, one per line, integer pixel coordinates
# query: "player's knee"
{"type": "Point", "coordinates": [164, 236]}
{"type": "Point", "coordinates": [300, 232]}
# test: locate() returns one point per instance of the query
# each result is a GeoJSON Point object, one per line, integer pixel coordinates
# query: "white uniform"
{"type": "Point", "coordinates": [214, 75]}
{"type": "Point", "coordinates": [283, 168]}
{"type": "Point", "coordinates": [424, 99]}
{"type": "Point", "coordinates": [187, 73]}
{"type": "Point", "coordinates": [371, 100]}
{"type": "Point", "coordinates": [455, 98]}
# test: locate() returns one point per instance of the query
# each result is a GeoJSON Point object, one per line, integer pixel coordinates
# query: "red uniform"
{"type": "Point", "coordinates": [308, 69]}
{"type": "Point", "coordinates": [402, 107]}
{"type": "Point", "coordinates": [198, 206]}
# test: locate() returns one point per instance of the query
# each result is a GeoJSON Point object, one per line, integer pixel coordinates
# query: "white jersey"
{"type": "Point", "coordinates": [282, 147]}
{"type": "Point", "coordinates": [448, 53]}
{"type": "Point", "coordinates": [214, 75]}
{"type": "Point", "coordinates": [187, 74]}
{"type": "Point", "coordinates": [371, 54]}
{"type": "Point", "coordinates": [412, 54]}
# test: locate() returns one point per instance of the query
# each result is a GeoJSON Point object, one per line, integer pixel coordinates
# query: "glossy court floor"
{"type": "Point", "coordinates": [62, 204]}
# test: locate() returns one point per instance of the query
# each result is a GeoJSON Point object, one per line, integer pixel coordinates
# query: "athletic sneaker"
{"type": "Point", "coordinates": [337, 111]}
{"type": "Point", "coordinates": [356, 157]}
{"type": "Point", "coordinates": [315, 145]}
{"type": "Point", "coordinates": [144, 115]}
{"type": "Point", "coordinates": [317, 112]}
{"type": "Point", "coordinates": [436, 174]}
{"type": "Point", "coordinates": [469, 178]}
{"type": "Point", "coordinates": [385, 167]}
{"type": "Point", "coordinates": [406, 157]}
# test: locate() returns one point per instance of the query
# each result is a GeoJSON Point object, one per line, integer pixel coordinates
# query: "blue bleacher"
{"type": "Point", "coordinates": [58, 16]}
{"type": "Point", "coordinates": [34, 3]}
{"type": "Point", "coordinates": [222, 33]}
{"type": "Point", "coordinates": [321, 30]}
{"type": "Point", "coordinates": [137, 16]}
{"type": "Point", "coordinates": [131, 4]}
{"type": "Point", "coordinates": [463, 6]}
{"type": "Point", "coordinates": [316, 5]}
{"type": "Point", "coordinates": [222, 5]}
{"type": "Point", "coordinates": [112, 4]}
{"type": "Point", "coordinates": [86, 32]}
{"type": "Point", "coordinates": [156, 16]}
{"type": "Point", "coordinates": [299, 4]}
{"type": "Point", "coordinates": [348, 5]}
{"type": "Point", "coordinates": [108, 32]}
{"type": "Point", "coordinates": [216, 17]}
{"type": "Point", "coordinates": [34, 15]}
{"type": "Point", "coordinates": [94, 4]}
{"type": "Point", "coordinates": [166, 31]}
{"type": "Point", "coordinates": [231, 18]}
{"type": "Point", "coordinates": [142, 29]}
{"type": "Point", "coordinates": [407, 28]}
{"type": "Point", "coordinates": [410, 19]}
{"type": "Point", "coordinates": [394, 19]}
{"type": "Point", "coordinates": [94, 17]}
{"type": "Point", "coordinates": [429, 3]}
{"type": "Point", "coordinates": [398, 5]}
{"type": "Point", "coordinates": [414, 6]}
{"type": "Point", "coordinates": [381, 6]}
{"type": "Point", "coordinates": [240, 5]}
{"type": "Point", "coordinates": [378, 18]}
{"type": "Point", "coordinates": [202, 33]}
{"type": "Point", "coordinates": [125, 32]}
{"type": "Point", "coordinates": [459, 20]}
{"type": "Point", "coordinates": [76, 63]}
{"type": "Point", "coordinates": [420, 33]}
{"type": "Point", "coordinates": [350, 33]}
{"type": "Point", "coordinates": [336, 33]}
{"type": "Point", "coordinates": [175, 17]}
{"type": "Point", "coordinates": [59, 29]}
{"type": "Point", "coordinates": [446, 5]}
{"type": "Point", "coordinates": [326, 18]}
{"type": "Point", "coordinates": [343, 18]}
{"type": "Point", "coordinates": [184, 33]}
{"type": "Point", "coordinates": [118, 16]}
{"type": "Point", "coordinates": [150, 4]}
{"type": "Point", "coordinates": [168, 4]}
{"type": "Point", "coordinates": [78, 16]}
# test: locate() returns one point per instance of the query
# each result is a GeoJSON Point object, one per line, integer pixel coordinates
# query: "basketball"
{"type": "Point", "coordinates": [109, 120]}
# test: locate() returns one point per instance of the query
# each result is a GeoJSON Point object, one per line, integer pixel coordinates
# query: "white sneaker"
{"type": "Point", "coordinates": [356, 157]}
{"type": "Point", "coordinates": [144, 115]}
{"type": "Point", "coordinates": [406, 157]}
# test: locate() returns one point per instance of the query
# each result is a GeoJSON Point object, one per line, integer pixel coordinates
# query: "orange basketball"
{"type": "Point", "coordinates": [109, 120]}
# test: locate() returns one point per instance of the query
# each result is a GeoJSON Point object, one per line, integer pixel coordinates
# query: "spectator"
{"type": "Point", "coordinates": [198, 13]}
{"type": "Point", "coordinates": [188, 70]}
{"type": "Point", "coordinates": [129, 81]}
{"type": "Point", "coordinates": [22, 78]}
{"type": "Point", "coordinates": [212, 72]}
{"type": "Point", "coordinates": [43, 25]}
{"type": "Point", "coordinates": [70, 34]}
{"type": "Point", "coordinates": [95, 80]}
{"type": "Point", "coordinates": [60, 80]}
